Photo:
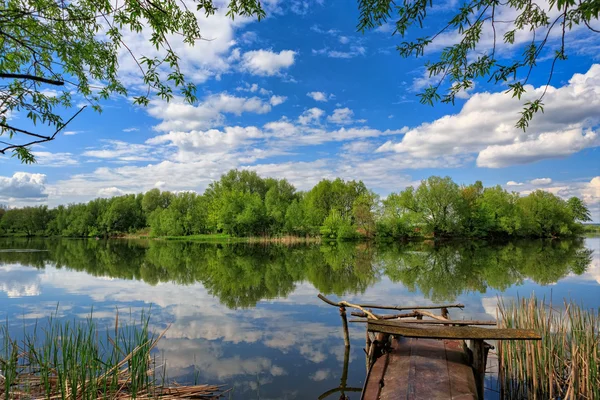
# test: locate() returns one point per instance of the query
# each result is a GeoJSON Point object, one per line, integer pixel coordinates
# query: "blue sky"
{"type": "Point", "coordinates": [301, 95]}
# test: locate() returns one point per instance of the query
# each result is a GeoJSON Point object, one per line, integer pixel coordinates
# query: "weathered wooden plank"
{"type": "Point", "coordinates": [459, 322]}
{"type": "Point", "coordinates": [451, 332]}
{"type": "Point", "coordinates": [396, 377]}
{"type": "Point", "coordinates": [431, 370]}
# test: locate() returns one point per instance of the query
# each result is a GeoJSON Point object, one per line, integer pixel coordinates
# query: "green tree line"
{"type": "Point", "coordinates": [244, 204]}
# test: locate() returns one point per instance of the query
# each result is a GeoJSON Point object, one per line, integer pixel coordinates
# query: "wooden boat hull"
{"type": "Point", "coordinates": [424, 369]}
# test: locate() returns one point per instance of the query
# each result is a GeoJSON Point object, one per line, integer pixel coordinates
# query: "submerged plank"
{"type": "Point", "coordinates": [451, 332]}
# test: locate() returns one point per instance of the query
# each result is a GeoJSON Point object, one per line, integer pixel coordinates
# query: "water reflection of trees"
{"type": "Point", "coordinates": [444, 271]}
{"type": "Point", "coordinates": [240, 275]}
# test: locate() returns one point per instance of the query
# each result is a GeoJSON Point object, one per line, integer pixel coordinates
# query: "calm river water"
{"type": "Point", "coordinates": [248, 315]}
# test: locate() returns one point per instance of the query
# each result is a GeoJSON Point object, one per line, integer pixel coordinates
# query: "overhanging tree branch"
{"type": "Point", "coordinates": [12, 128]}
{"type": "Point", "coordinates": [45, 138]}
{"type": "Point", "coordinates": [32, 78]}
{"type": "Point", "coordinates": [84, 50]}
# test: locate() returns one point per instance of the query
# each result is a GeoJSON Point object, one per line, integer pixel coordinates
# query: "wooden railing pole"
{"type": "Point", "coordinates": [345, 326]}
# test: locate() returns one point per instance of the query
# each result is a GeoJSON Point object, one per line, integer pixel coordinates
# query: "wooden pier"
{"type": "Point", "coordinates": [421, 369]}
{"type": "Point", "coordinates": [425, 359]}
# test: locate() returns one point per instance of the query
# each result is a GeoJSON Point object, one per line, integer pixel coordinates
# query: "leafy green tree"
{"type": "Point", "coordinates": [12, 221]}
{"type": "Point", "coordinates": [294, 218]}
{"type": "Point", "coordinates": [154, 199]}
{"type": "Point", "coordinates": [154, 220]}
{"type": "Point", "coordinates": [277, 200]}
{"type": "Point", "coordinates": [468, 210]}
{"type": "Point", "coordinates": [435, 204]}
{"type": "Point", "coordinates": [224, 197]}
{"type": "Point", "coordinates": [394, 221]}
{"type": "Point", "coordinates": [198, 215]}
{"type": "Point", "coordinates": [252, 219]}
{"type": "Point", "coordinates": [545, 215]}
{"type": "Point", "coordinates": [176, 219]}
{"type": "Point", "coordinates": [124, 214]}
{"type": "Point", "coordinates": [438, 199]}
{"type": "Point", "coordinates": [467, 56]}
{"type": "Point", "coordinates": [363, 213]}
{"type": "Point", "coordinates": [345, 193]}
{"type": "Point", "coordinates": [329, 195]}
{"type": "Point", "coordinates": [2, 212]}
{"type": "Point", "coordinates": [77, 47]}
{"type": "Point", "coordinates": [27, 220]}
{"type": "Point", "coordinates": [317, 204]}
{"type": "Point", "coordinates": [579, 210]}
{"type": "Point", "coordinates": [498, 213]}
{"type": "Point", "coordinates": [336, 226]}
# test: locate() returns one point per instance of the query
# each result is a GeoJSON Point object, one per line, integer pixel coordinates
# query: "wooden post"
{"type": "Point", "coordinates": [367, 349]}
{"type": "Point", "coordinates": [345, 326]}
{"type": "Point", "coordinates": [370, 355]}
{"type": "Point", "coordinates": [445, 312]}
{"type": "Point", "coordinates": [501, 376]}
{"type": "Point", "coordinates": [344, 378]}
{"type": "Point", "coordinates": [479, 353]}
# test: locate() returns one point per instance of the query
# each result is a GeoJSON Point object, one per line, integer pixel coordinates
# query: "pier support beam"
{"type": "Point", "coordinates": [479, 352]}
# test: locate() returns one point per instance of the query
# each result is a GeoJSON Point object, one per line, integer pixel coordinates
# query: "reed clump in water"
{"type": "Point", "coordinates": [565, 364]}
{"type": "Point", "coordinates": [76, 360]}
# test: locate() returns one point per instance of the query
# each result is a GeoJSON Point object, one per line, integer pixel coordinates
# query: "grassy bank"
{"type": "Point", "coordinates": [77, 360]}
{"type": "Point", "coordinates": [564, 365]}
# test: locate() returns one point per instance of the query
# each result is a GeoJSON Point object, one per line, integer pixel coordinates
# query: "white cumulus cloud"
{"type": "Point", "coordinates": [277, 100]}
{"type": "Point", "coordinates": [341, 116]}
{"type": "Point", "coordinates": [267, 62]}
{"type": "Point", "coordinates": [110, 192]}
{"type": "Point", "coordinates": [23, 186]}
{"type": "Point", "coordinates": [486, 126]}
{"type": "Point", "coordinates": [312, 115]}
{"type": "Point", "coordinates": [178, 115]}
{"type": "Point", "coordinates": [318, 96]}
{"type": "Point", "coordinates": [541, 181]}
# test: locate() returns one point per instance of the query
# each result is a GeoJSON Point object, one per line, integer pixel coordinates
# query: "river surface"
{"type": "Point", "coordinates": [248, 315]}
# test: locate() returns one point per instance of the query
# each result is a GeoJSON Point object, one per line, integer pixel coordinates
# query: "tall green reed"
{"type": "Point", "coordinates": [78, 360]}
{"type": "Point", "coordinates": [565, 364]}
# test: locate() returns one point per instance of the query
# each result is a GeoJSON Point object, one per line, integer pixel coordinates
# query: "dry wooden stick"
{"type": "Point", "coordinates": [346, 304]}
{"type": "Point", "coordinates": [431, 315]}
{"type": "Point", "coordinates": [391, 316]}
{"type": "Point", "coordinates": [382, 307]}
